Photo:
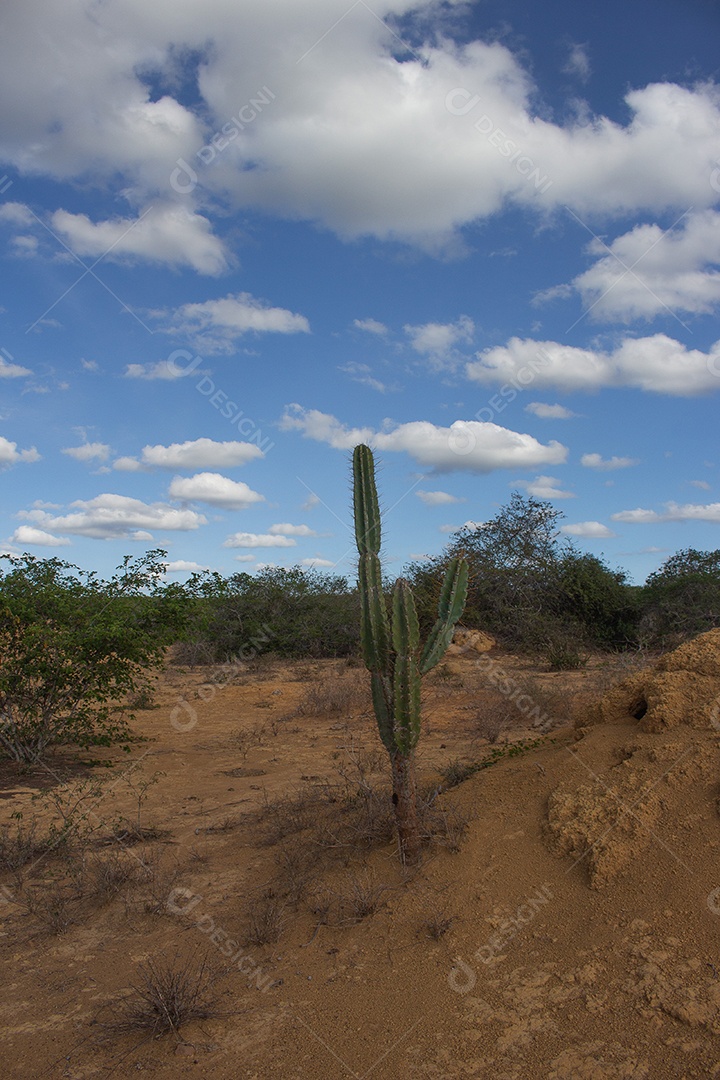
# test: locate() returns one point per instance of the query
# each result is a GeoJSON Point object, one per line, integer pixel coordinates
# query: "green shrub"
{"type": "Point", "coordinates": [74, 647]}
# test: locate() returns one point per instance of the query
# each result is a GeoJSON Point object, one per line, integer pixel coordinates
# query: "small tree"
{"type": "Point", "coordinates": [391, 647]}
{"type": "Point", "coordinates": [682, 598]}
{"type": "Point", "coordinates": [73, 647]}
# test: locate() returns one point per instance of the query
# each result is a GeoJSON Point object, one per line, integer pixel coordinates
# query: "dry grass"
{"type": "Point", "coordinates": [168, 995]}
{"type": "Point", "coordinates": [343, 693]}
{"type": "Point", "coordinates": [265, 920]}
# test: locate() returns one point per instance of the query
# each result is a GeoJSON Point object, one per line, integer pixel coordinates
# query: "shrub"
{"type": "Point", "coordinates": [73, 647]}
{"type": "Point", "coordinates": [682, 598]}
{"type": "Point", "coordinates": [291, 612]}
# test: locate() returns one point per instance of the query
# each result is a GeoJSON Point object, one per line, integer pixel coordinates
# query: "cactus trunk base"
{"type": "Point", "coordinates": [405, 800]}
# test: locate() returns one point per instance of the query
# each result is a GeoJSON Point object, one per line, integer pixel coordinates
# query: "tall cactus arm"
{"type": "Point", "coordinates": [383, 707]}
{"type": "Point", "coordinates": [450, 607]}
{"type": "Point", "coordinates": [374, 622]}
{"type": "Point", "coordinates": [366, 506]}
{"type": "Point", "coordinates": [406, 680]}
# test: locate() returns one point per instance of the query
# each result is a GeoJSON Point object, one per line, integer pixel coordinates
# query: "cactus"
{"type": "Point", "coordinates": [392, 650]}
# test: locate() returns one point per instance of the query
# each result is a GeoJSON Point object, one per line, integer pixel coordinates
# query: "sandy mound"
{"type": "Point", "coordinates": [467, 642]}
{"type": "Point", "coordinates": [682, 688]}
{"type": "Point", "coordinates": [609, 819]}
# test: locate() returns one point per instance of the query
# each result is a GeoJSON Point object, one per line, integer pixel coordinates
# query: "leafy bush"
{"type": "Point", "coordinates": [682, 598]}
{"type": "Point", "coordinates": [291, 612]}
{"type": "Point", "coordinates": [531, 587]}
{"type": "Point", "coordinates": [73, 647]}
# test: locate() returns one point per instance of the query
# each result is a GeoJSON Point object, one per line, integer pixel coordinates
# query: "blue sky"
{"type": "Point", "coordinates": [236, 239]}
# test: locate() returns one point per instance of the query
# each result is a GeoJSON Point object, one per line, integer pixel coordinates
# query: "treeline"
{"type": "Point", "coordinates": [76, 651]}
{"type": "Point", "coordinates": [530, 587]}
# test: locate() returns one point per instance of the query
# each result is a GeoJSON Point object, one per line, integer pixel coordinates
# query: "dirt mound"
{"type": "Point", "coordinates": [466, 642]}
{"type": "Point", "coordinates": [682, 688]}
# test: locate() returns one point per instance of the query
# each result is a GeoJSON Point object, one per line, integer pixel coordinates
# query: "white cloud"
{"type": "Point", "coordinates": [216, 325]}
{"type": "Point", "coordinates": [703, 484]}
{"type": "Point", "coordinates": [10, 455]}
{"type": "Point", "coordinates": [170, 234]}
{"type": "Point", "coordinates": [161, 369]}
{"type": "Point", "coordinates": [317, 564]}
{"type": "Point", "coordinates": [659, 364]}
{"type": "Point", "coordinates": [285, 529]}
{"type": "Point", "coordinates": [115, 517]}
{"type": "Point", "coordinates": [193, 454]}
{"type": "Point", "coordinates": [311, 502]}
{"type": "Point", "coordinates": [465, 446]}
{"type": "Point", "coordinates": [437, 498]}
{"type": "Point", "coordinates": [8, 370]}
{"type": "Point", "coordinates": [215, 490]}
{"type": "Point", "coordinates": [14, 213]}
{"type": "Point", "coordinates": [26, 534]}
{"type": "Point", "coordinates": [648, 271]}
{"type": "Point", "coordinates": [437, 340]}
{"type": "Point", "coordinates": [88, 452]}
{"type": "Point", "coordinates": [372, 326]}
{"type": "Point", "coordinates": [307, 155]}
{"type": "Point", "coordinates": [578, 62]}
{"type": "Point", "coordinates": [178, 566]}
{"type": "Point", "coordinates": [544, 487]}
{"type": "Point", "coordinates": [128, 464]}
{"type": "Point", "coordinates": [245, 558]}
{"type": "Point", "coordinates": [673, 512]}
{"type": "Point", "coordinates": [258, 540]}
{"type": "Point", "coordinates": [589, 529]}
{"type": "Point", "coordinates": [596, 461]}
{"type": "Point", "coordinates": [549, 412]}
{"type": "Point", "coordinates": [361, 373]}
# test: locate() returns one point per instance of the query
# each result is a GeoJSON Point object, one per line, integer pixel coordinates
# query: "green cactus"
{"type": "Point", "coordinates": [391, 646]}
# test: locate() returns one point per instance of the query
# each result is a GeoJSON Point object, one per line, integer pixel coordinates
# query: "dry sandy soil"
{"type": "Point", "coordinates": [564, 921]}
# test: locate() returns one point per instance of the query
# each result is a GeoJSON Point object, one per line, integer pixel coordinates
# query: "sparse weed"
{"type": "Point", "coordinates": [266, 920]}
{"type": "Point", "coordinates": [168, 996]}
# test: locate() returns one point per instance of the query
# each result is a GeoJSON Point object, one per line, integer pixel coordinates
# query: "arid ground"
{"type": "Point", "coordinates": [564, 921]}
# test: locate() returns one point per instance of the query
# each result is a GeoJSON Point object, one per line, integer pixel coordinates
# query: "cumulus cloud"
{"type": "Point", "coordinates": [438, 498]}
{"type": "Point", "coordinates": [179, 566]}
{"type": "Point", "coordinates": [13, 213]}
{"type": "Point", "coordinates": [362, 373]}
{"type": "Point", "coordinates": [549, 412]}
{"type": "Point", "coordinates": [31, 537]}
{"type": "Point", "coordinates": [114, 517]}
{"type": "Point", "coordinates": [438, 340]}
{"type": "Point", "coordinates": [258, 540]}
{"type": "Point", "coordinates": [161, 369]}
{"type": "Point", "coordinates": [307, 157]}
{"type": "Point", "coordinates": [10, 455]}
{"type": "Point", "coordinates": [544, 487]}
{"type": "Point", "coordinates": [588, 529]}
{"type": "Point", "coordinates": [286, 529]}
{"type": "Point", "coordinates": [651, 271]}
{"type": "Point", "coordinates": [372, 326]}
{"type": "Point", "coordinates": [317, 564]}
{"type": "Point", "coordinates": [465, 446]}
{"type": "Point", "coordinates": [596, 461]}
{"type": "Point", "coordinates": [578, 62]}
{"type": "Point", "coordinates": [170, 234]}
{"type": "Point", "coordinates": [88, 452]}
{"type": "Point", "coordinates": [193, 454]}
{"type": "Point", "coordinates": [9, 370]}
{"type": "Point", "coordinates": [659, 364]}
{"type": "Point", "coordinates": [216, 325]}
{"type": "Point", "coordinates": [673, 512]}
{"type": "Point", "coordinates": [215, 490]}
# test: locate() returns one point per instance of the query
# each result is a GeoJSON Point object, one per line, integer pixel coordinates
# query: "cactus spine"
{"type": "Point", "coordinates": [391, 646]}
